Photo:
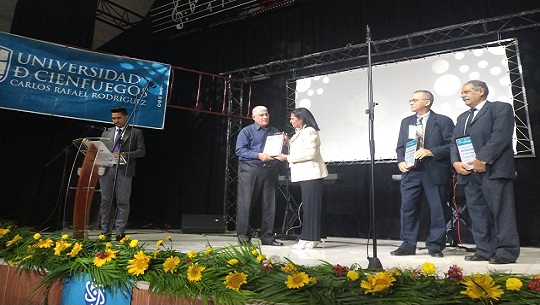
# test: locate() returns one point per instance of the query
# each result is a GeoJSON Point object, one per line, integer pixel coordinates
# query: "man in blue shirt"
{"type": "Point", "coordinates": [257, 178]}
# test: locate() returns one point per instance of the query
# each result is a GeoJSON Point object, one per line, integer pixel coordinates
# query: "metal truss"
{"type": "Point", "coordinates": [235, 101]}
{"type": "Point", "coordinates": [352, 55]}
{"type": "Point", "coordinates": [523, 138]}
{"type": "Point", "coordinates": [524, 145]}
{"type": "Point", "coordinates": [223, 96]}
{"type": "Point", "coordinates": [116, 15]}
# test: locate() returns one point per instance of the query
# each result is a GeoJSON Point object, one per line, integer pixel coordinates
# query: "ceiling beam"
{"type": "Point", "coordinates": [433, 37]}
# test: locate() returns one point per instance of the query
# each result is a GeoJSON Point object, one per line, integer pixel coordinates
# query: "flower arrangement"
{"type": "Point", "coordinates": [243, 274]}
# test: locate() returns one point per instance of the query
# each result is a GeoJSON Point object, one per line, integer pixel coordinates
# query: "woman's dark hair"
{"type": "Point", "coordinates": [307, 118]}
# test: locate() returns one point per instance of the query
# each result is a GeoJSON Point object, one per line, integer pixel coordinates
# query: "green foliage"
{"type": "Point", "coordinates": [218, 275]}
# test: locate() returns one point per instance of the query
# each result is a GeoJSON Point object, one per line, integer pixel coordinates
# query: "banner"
{"type": "Point", "coordinates": [58, 80]}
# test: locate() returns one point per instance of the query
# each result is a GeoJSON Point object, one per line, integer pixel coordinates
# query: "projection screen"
{"type": "Point", "coordinates": [339, 100]}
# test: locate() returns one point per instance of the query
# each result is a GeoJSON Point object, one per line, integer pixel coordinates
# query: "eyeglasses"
{"type": "Point", "coordinates": [414, 100]}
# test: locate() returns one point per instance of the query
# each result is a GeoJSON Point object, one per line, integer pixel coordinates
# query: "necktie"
{"type": "Point", "coordinates": [420, 132]}
{"type": "Point", "coordinates": [469, 120]}
{"type": "Point", "coordinates": [117, 140]}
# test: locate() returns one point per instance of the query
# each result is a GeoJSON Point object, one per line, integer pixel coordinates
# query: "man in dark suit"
{"type": "Point", "coordinates": [488, 186]}
{"type": "Point", "coordinates": [128, 143]}
{"type": "Point", "coordinates": [431, 175]}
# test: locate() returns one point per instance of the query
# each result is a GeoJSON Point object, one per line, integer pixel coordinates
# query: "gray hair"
{"type": "Point", "coordinates": [429, 95]}
{"type": "Point", "coordinates": [256, 109]}
{"type": "Point", "coordinates": [478, 84]}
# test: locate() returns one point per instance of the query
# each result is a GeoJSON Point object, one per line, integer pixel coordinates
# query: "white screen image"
{"type": "Point", "coordinates": [339, 101]}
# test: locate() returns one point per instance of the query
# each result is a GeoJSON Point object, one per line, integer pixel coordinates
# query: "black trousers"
{"type": "Point", "coordinates": [492, 208]}
{"type": "Point", "coordinates": [256, 185]}
{"type": "Point", "coordinates": [311, 209]}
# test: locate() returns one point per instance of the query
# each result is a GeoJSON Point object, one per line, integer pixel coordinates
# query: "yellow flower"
{"type": "Point", "coordinates": [234, 280]}
{"type": "Point", "coordinates": [105, 257]}
{"type": "Point", "coordinates": [37, 236]}
{"type": "Point", "coordinates": [353, 275]}
{"type": "Point", "coordinates": [45, 243]}
{"type": "Point", "coordinates": [255, 252]}
{"type": "Point", "coordinates": [65, 236]}
{"type": "Point", "coordinates": [289, 267]}
{"type": "Point", "coordinates": [481, 286]}
{"type": "Point", "coordinates": [233, 261]}
{"type": "Point", "coordinates": [102, 237]}
{"type": "Point", "coordinates": [429, 268]}
{"type": "Point", "coordinates": [514, 284]}
{"type": "Point", "coordinates": [159, 243]}
{"type": "Point", "coordinates": [4, 232]}
{"type": "Point", "coordinates": [377, 283]}
{"type": "Point", "coordinates": [139, 264]}
{"type": "Point", "coordinates": [156, 253]}
{"type": "Point", "coordinates": [261, 257]}
{"type": "Point", "coordinates": [169, 238]}
{"type": "Point", "coordinates": [133, 243]}
{"type": "Point", "coordinates": [208, 250]}
{"type": "Point", "coordinates": [14, 240]}
{"type": "Point", "coordinates": [123, 240]}
{"type": "Point", "coordinates": [77, 247]}
{"type": "Point", "coordinates": [195, 272]}
{"type": "Point", "coordinates": [60, 247]}
{"type": "Point", "coordinates": [171, 264]}
{"type": "Point", "coordinates": [108, 245]}
{"type": "Point", "coordinates": [394, 271]}
{"type": "Point", "coordinates": [192, 254]}
{"type": "Point", "coordinates": [297, 280]}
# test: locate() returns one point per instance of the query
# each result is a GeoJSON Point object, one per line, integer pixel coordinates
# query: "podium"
{"type": "Point", "coordinates": [97, 155]}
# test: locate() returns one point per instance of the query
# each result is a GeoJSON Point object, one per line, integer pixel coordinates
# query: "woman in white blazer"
{"type": "Point", "coordinates": [307, 168]}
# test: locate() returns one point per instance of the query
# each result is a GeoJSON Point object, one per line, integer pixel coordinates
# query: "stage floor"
{"type": "Point", "coordinates": [344, 251]}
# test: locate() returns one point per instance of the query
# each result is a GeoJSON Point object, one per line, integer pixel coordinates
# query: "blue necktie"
{"type": "Point", "coordinates": [117, 140]}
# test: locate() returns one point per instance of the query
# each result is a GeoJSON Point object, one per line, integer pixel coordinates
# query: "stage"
{"type": "Point", "coordinates": [344, 251]}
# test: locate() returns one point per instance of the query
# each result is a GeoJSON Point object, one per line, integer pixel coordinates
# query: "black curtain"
{"type": "Point", "coordinates": [61, 21]}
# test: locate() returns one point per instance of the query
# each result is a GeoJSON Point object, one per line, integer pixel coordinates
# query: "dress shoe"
{"type": "Point", "coordinates": [475, 258]}
{"type": "Point", "coordinates": [120, 236]}
{"type": "Point", "coordinates": [499, 260]}
{"type": "Point", "coordinates": [107, 235]}
{"type": "Point", "coordinates": [273, 243]}
{"type": "Point", "coordinates": [435, 253]}
{"type": "Point", "coordinates": [401, 252]}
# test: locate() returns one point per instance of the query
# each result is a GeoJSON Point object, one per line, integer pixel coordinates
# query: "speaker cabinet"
{"type": "Point", "coordinates": [203, 223]}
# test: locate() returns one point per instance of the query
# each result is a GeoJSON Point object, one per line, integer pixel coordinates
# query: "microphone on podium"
{"type": "Point", "coordinates": [96, 127]}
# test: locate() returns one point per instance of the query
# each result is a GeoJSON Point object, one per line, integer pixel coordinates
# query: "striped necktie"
{"type": "Point", "coordinates": [420, 132]}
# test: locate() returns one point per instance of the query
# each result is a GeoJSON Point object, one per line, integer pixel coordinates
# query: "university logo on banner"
{"type": "Point", "coordinates": [5, 59]}
{"type": "Point", "coordinates": [81, 291]}
{"type": "Point", "coordinates": [58, 80]}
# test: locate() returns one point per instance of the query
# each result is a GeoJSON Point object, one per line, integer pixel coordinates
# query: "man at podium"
{"type": "Point", "coordinates": [128, 143]}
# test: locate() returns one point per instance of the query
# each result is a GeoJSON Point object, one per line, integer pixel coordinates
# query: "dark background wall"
{"type": "Point", "coordinates": [183, 171]}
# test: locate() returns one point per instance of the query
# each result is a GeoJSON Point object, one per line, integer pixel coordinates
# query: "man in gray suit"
{"type": "Point", "coordinates": [431, 175]}
{"type": "Point", "coordinates": [128, 142]}
{"type": "Point", "coordinates": [488, 185]}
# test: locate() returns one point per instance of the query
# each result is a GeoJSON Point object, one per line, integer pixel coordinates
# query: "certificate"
{"type": "Point", "coordinates": [466, 150]}
{"type": "Point", "coordinates": [273, 145]}
{"type": "Point", "coordinates": [410, 149]}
